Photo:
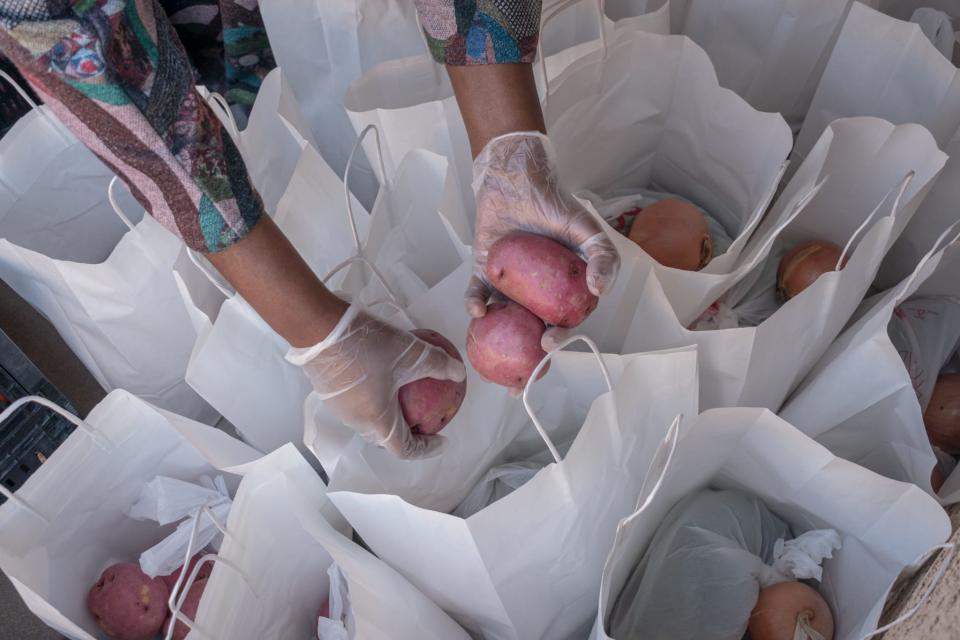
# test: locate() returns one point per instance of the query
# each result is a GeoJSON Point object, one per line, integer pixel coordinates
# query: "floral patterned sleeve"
{"type": "Point", "coordinates": [465, 32]}
{"type": "Point", "coordinates": [117, 74]}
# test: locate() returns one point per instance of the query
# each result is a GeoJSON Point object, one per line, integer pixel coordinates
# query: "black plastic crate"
{"type": "Point", "coordinates": [34, 432]}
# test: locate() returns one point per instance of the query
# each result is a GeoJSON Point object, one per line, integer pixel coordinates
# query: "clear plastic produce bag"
{"type": "Point", "coordinates": [102, 280]}
{"type": "Point", "coordinates": [883, 362]}
{"type": "Point", "coordinates": [886, 68]}
{"type": "Point", "coordinates": [705, 566]}
{"type": "Point", "coordinates": [771, 53]}
{"type": "Point", "coordinates": [923, 12]}
{"type": "Point", "coordinates": [324, 46]}
{"type": "Point", "coordinates": [884, 525]}
{"type": "Point", "coordinates": [69, 521]}
{"type": "Point", "coordinates": [647, 113]}
{"type": "Point", "coordinates": [528, 565]}
{"type": "Point", "coordinates": [876, 176]}
{"type": "Point", "coordinates": [270, 577]}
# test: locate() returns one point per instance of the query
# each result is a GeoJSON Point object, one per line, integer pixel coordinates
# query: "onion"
{"type": "Point", "coordinates": [804, 264]}
{"type": "Point", "coordinates": [780, 609]}
{"type": "Point", "coordinates": [942, 417]}
{"type": "Point", "coordinates": [937, 478]}
{"type": "Point", "coordinates": [674, 233]}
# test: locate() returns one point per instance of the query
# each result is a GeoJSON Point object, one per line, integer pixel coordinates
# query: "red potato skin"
{"type": "Point", "coordinates": [428, 405]}
{"type": "Point", "coordinates": [127, 603]}
{"type": "Point", "coordinates": [504, 345]}
{"type": "Point", "coordinates": [942, 417]}
{"type": "Point", "coordinates": [806, 262]}
{"type": "Point", "coordinates": [542, 275]}
{"type": "Point", "coordinates": [204, 572]}
{"type": "Point", "coordinates": [779, 607]}
{"type": "Point", "coordinates": [189, 609]}
{"type": "Point", "coordinates": [674, 233]}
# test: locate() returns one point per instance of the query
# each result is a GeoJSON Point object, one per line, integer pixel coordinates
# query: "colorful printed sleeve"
{"type": "Point", "coordinates": [117, 75]}
{"type": "Point", "coordinates": [465, 32]}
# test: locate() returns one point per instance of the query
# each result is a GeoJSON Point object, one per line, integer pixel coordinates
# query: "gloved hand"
{"type": "Point", "coordinates": [517, 189]}
{"type": "Point", "coordinates": [358, 369]}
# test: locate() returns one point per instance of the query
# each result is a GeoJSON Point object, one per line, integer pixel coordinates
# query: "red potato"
{"type": "Point", "coordinates": [504, 345]}
{"type": "Point", "coordinates": [542, 275]}
{"type": "Point", "coordinates": [780, 607]}
{"type": "Point", "coordinates": [937, 478]}
{"type": "Point", "coordinates": [806, 262]}
{"type": "Point", "coordinates": [674, 233]}
{"type": "Point", "coordinates": [189, 609]}
{"type": "Point", "coordinates": [429, 404]}
{"type": "Point", "coordinates": [204, 572]}
{"type": "Point", "coordinates": [942, 417]}
{"type": "Point", "coordinates": [127, 603]}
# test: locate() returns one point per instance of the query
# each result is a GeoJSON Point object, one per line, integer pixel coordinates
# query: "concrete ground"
{"type": "Point", "coordinates": [937, 619]}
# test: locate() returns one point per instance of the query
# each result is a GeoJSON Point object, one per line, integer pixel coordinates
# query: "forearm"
{"type": "Point", "coordinates": [271, 276]}
{"type": "Point", "coordinates": [123, 84]}
{"type": "Point", "coordinates": [496, 99]}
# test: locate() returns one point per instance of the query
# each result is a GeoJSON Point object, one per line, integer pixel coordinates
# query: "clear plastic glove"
{"type": "Point", "coordinates": [517, 188]}
{"type": "Point", "coordinates": [358, 369]}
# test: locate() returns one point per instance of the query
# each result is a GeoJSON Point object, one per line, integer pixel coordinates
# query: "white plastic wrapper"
{"type": "Point", "coordinates": [339, 625]}
{"type": "Point", "coordinates": [167, 500]}
{"type": "Point", "coordinates": [704, 569]}
{"type": "Point", "coordinates": [926, 334]}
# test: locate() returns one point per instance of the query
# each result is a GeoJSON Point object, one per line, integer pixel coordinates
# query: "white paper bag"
{"type": "Point", "coordinates": [754, 451]}
{"type": "Point", "coordinates": [123, 317]}
{"type": "Point", "coordinates": [270, 576]}
{"type": "Point", "coordinates": [772, 53]}
{"type": "Point", "coordinates": [68, 522]}
{"type": "Point", "coordinates": [53, 190]}
{"type": "Point", "coordinates": [570, 31]}
{"type": "Point", "coordinates": [879, 174]}
{"type": "Point", "coordinates": [270, 150]}
{"type": "Point", "coordinates": [324, 46]}
{"type": "Point", "coordinates": [528, 565]}
{"type": "Point", "coordinates": [886, 68]}
{"type": "Point", "coordinates": [650, 115]}
{"type": "Point", "coordinates": [877, 421]}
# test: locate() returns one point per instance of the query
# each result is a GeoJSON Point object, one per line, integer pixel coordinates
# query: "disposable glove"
{"type": "Point", "coordinates": [358, 369]}
{"type": "Point", "coordinates": [517, 188]}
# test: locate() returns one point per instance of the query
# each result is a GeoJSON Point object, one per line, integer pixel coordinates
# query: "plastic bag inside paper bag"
{"type": "Point", "coordinates": [619, 208]}
{"type": "Point", "coordinates": [338, 624]}
{"type": "Point", "coordinates": [926, 333]}
{"type": "Point", "coordinates": [168, 500]}
{"type": "Point", "coordinates": [704, 569]}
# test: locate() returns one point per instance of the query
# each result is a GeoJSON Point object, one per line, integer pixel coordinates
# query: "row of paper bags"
{"type": "Point", "coordinates": [863, 184]}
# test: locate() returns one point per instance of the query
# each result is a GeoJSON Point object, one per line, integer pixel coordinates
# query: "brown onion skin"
{"type": "Point", "coordinates": [542, 275]}
{"type": "Point", "coordinates": [806, 262]}
{"type": "Point", "coordinates": [428, 404]}
{"type": "Point", "coordinates": [504, 345]}
{"type": "Point", "coordinates": [779, 608]}
{"type": "Point", "coordinates": [937, 478]}
{"type": "Point", "coordinates": [942, 417]}
{"type": "Point", "coordinates": [674, 233]}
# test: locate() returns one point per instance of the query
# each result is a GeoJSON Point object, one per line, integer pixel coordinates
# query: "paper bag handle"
{"type": "Point", "coordinates": [536, 372]}
{"type": "Point", "coordinates": [938, 245]}
{"type": "Point", "coordinates": [950, 548]}
{"type": "Point", "coordinates": [7, 413]}
{"type": "Point", "coordinates": [33, 105]}
{"type": "Point", "coordinates": [601, 20]}
{"type": "Point", "coordinates": [900, 189]}
{"type": "Point", "coordinates": [358, 257]}
{"type": "Point", "coordinates": [231, 121]}
{"type": "Point", "coordinates": [174, 603]}
{"type": "Point", "coordinates": [111, 196]}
